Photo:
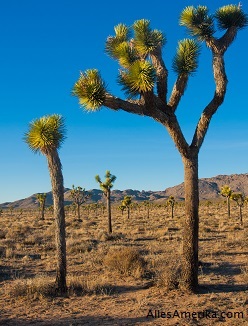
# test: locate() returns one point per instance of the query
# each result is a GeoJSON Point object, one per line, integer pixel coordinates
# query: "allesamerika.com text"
{"type": "Point", "coordinates": [208, 314]}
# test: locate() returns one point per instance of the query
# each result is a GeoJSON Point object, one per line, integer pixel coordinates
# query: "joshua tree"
{"type": "Point", "coordinates": [240, 200]}
{"type": "Point", "coordinates": [144, 78]}
{"type": "Point", "coordinates": [122, 208]}
{"type": "Point", "coordinates": [106, 188]}
{"type": "Point", "coordinates": [171, 202]}
{"type": "Point", "coordinates": [79, 196]}
{"type": "Point", "coordinates": [147, 204]}
{"type": "Point", "coordinates": [226, 191]}
{"type": "Point", "coordinates": [127, 201]}
{"type": "Point", "coordinates": [45, 135]}
{"type": "Point", "coordinates": [42, 202]}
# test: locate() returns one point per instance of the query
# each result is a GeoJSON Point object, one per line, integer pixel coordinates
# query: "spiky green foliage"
{"type": "Point", "coordinates": [41, 197]}
{"type": "Point", "coordinates": [120, 47]}
{"type": "Point", "coordinates": [226, 191]}
{"type": "Point", "coordinates": [46, 133]}
{"type": "Point", "coordinates": [139, 78]}
{"type": "Point", "coordinates": [127, 201]}
{"type": "Point", "coordinates": [198, 22]}
{"type": "Point", "coordinates": [231, 15]}
{"type": "Point", "coordinates": [108, 183]}
{"type": "Point", "coordinates": [146, 40]}
{"type": "Point", "coordinates": [90, 89]}
{"type": "Point", "coordinates": [186, 58]}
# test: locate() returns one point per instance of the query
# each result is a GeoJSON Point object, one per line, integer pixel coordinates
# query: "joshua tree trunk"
{"type": "Point", "coordinates": [54, 165]}
{"type": "Point", "coordinates": [228, 206]}
{"type": "Point", "coordinates": [42, 213]}
{"type": "Point", "coordinates": [109, 211]}
{"type": "Point", "coordinates": [240, 215]}
{"type": "Point", "coordinates": [78, 211]}
{"type": "Point", "coordinates": [191, 226]}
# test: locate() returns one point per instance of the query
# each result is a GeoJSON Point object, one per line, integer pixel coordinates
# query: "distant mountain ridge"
{"type": "Point", "coordinates": [209, 188]}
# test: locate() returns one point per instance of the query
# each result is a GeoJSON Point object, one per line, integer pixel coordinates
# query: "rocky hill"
{"type": "Point", "coordinates": [209, 189]}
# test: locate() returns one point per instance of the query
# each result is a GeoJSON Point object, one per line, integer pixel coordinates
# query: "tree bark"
{"type": "Point", "coordinates": [191, 226]}
{"type": "Point", "coordinates": [57, 182]}
{"type": "Point", "coordinates": [228, 206]}
{"type": "Point", "coordinates": [109, 211]}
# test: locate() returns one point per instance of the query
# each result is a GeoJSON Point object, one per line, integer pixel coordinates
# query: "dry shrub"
{"type": "Point", "coordinates": [105, 236]}
{"type": "Point", "coordinates": [125, 261]}
{"type": "Point", "coordinates": [42, 287]}
{"type": "Point", "coordinates": [77, 246]}
{"type": "Point", "coordinates": [88, 285]}
{"type": "Point", "coordinates": [32, 288]}
{"type": "Point", "coordinates": [169, 275]}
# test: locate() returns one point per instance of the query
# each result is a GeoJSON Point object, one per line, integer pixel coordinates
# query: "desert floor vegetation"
{"type": "Point", "coordinates": [125, 277]}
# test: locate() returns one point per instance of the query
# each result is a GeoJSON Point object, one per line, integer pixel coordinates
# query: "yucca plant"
{"type": "Point", "coordinates": [226, 192]}
{"type": "Point", "coordinates": [41, 198]}
{"type": "Point", "coordinates": [144, 77]}
{"type": "Point", "coordinates": [239, 198]}
{"type": "Point", "coordinates": [46, 135]}
{"type": "Point", "coordinates": [106, 188]}
{"type": "Point", "coordinates": [126, 203]}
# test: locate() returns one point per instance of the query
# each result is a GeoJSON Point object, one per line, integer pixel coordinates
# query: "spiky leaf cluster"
{"type": "Point", "coordinates": [198, 22]}
{"type": "Point", "coordinates": [119, 46]}
{"type": "Point", "coordinates": [108, 183]}
{"type": "Point", "coordinates": [231, 15]}
{"type": "Point", "coordinates": [46, 133]}
{"type": "Point", "coordinates": [186, 58]}
{"type": "Point", "coordinates": [90, 89]}
{"type": "Point", "coordinates": [146, 40]}
{"type": "Point", "coordinates": [226, 191]}
{"type": "Point", "coordinates": [139, 78]}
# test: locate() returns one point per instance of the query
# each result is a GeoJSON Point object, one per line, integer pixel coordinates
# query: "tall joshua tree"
{"type": "Point", "coordinates": [45, 135]}
{"type": "Point", "coordinates": [144, 77]}
{"type": "Point", "coordinates": [42, 202]}
{"type": "Point", "coordinates": [106, 188]}
{"type": "Point", "coordinates": [226, 191]}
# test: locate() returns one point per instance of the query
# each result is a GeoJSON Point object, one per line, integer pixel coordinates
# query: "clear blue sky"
{"type": "Point", "coordinates": [45, 44]}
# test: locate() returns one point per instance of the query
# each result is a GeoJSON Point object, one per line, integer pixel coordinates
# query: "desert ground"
{"type": "Point", "coordinates": [131, 277]}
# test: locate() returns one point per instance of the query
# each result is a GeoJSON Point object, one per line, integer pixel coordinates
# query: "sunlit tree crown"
{"type": "Point", "coordinates": [231, 15]}
{"type": "Point", "coordinates": [46, 133]}
{"type": "Point", "coordinates": [108, 183]}
{"type": "Point", "coordinates": [186, 58]}
{"type": "Point", "coordinates": [198, 22]}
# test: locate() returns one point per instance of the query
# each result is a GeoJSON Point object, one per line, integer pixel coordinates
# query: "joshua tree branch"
{"type": "Point", "coordinates": [178, 91]}
{"type": "Point", "coordinates": [162, 73]}
{"type": "Point", "coordinates": [218, 98]}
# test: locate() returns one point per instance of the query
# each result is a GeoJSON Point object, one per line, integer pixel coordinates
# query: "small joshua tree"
{"type": "Point", "coordinates": [106, 188]}
{"type": "Point", "coordinates": [239, 198]}
{"type": "Point", "coordinates": [41, 198]}
{"type": "Point", "coordinates": [171, 202]}
{"type": "Point", "coordinates": [147, 204]}
{"type": "Point", "coordinates": [79, 196]}
{"type": "Point", "coordinates": [122, 208]}
{"type": "Point", "coordinates": [127, 201]}
{"type": "Point", "coordinates": [226, 191]}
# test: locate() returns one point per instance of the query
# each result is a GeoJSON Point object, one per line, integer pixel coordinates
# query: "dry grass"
{"type": "Point", "coordinates": [114, 279]}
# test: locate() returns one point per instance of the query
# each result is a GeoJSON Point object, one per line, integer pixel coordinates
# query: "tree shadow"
{"type": "Point", "coordinates": [222, 288]}
{"type": "Point", "coordinates": [74, 321]}
{"type": "Point", "coordinates": [223, 269]}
